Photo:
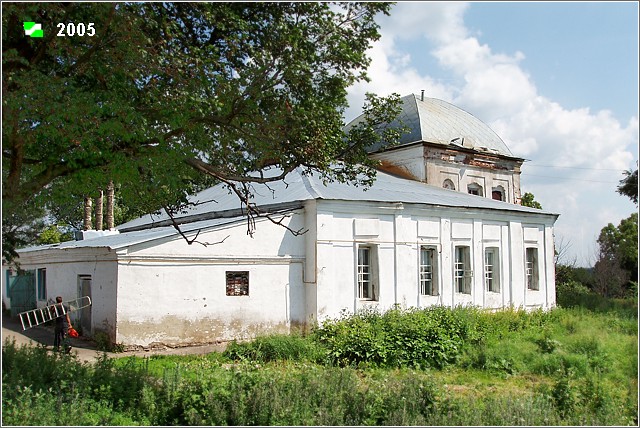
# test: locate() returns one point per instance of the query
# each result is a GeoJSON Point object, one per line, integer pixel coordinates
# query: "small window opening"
{"type": "Point", "coordinates": [42, 284]}
{"type": "Point", "coordinates": [531, 268]}
{"type": "Point", "coordinates": [237, 283]}
{"type": "Point", "coordinates": [448, 184]}
{"type": "Point", "coordinates": [475, 189]}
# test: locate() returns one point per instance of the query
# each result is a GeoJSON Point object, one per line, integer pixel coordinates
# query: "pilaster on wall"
{"type": "Point", "coordinates": [310, 272]}
{"type": "Point", "coordinates": [550, 268]}
{"type": "Point", "coordinates": [446, 258]}
{"type": "Point", "coordinates": [516, 277]}
{"type": "Point", "coordinates": [506, 268]}
{"type": "Point", "coordinates": [311, 241]}
{"type": "Point", "coordinates": [478, 289]}
{"type": "Point", "coordinates": [517, 193]}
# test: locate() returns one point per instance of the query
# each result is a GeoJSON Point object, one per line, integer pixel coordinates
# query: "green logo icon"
{"type": "Point", "coordinates": [32, 29]}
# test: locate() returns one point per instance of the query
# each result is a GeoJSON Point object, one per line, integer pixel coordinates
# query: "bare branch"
{"type": "Point", "coordinates": [227, 178]}
{"type": "Point", "coordinates": [298, 232]}
{"type": "Point", "coordinates": [176, 226]}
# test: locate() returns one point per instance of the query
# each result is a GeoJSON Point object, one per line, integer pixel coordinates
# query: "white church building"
{"type": "Point", "coordinates": [441, 225]}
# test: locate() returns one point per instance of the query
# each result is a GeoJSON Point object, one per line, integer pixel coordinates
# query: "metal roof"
{"type": "Point", "coordinates": [435, 121]}
{"type": "Point", "coordinates": [298, 187]}
{"type": "Point", "coordinates": [122, 240]}
{"type": "Point", "coordinates": [285, 195]}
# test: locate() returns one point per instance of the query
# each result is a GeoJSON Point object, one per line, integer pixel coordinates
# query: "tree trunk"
{"type": "Point", "coordinates": [87, 213]}
{"type": "Point", "coordinates": [110, 196]}
{"type": "Point", "coordinates": [99, 205]}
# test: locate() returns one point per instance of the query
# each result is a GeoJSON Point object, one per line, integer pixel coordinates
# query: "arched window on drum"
{"type": "Point", "coordinates": [475, 189]}
{"type": "Point", "coordinates": [448, 184]}
{"type": "Point", "coordinates": [498, 193]}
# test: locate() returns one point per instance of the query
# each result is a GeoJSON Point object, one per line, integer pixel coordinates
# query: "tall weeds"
{"type": "Point", "coordinates": [568, 366]}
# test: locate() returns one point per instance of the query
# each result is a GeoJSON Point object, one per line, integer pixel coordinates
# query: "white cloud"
{"type": "Point", "coordinates": [438, 21]}
{"type": "Point", "coordinates": [496, 89]}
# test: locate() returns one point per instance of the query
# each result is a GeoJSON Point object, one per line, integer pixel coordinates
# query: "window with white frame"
{"type": "Point", "coordinates": [475, 189]}
{"type": "Point", "coordinates": [428, 271]}
{"type": "Point", "coordinates": [531, 268]}
{"type": "Point", "coordinates": [492, 269]}
{"type": "Point", "coordinates": [367, 272]}
{"type": "Point", "coordinates": [42, 283]}
{"type": "Point", "coordinates": [462, 273]}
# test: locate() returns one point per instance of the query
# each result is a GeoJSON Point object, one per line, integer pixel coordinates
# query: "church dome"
{"type": "Point", "coordinates": [435, 121]}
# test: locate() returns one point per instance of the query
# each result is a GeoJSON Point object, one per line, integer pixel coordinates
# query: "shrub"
{"type": "Point", "coordinates": [431, 337]}
{"type": "Point", "coordinates": [573, 293]}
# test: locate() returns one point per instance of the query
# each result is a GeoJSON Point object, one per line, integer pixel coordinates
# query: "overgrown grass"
{"type": "Point", "coordinates": [439, 366]}
{"type": "Point", "coordinates": [277, 347]}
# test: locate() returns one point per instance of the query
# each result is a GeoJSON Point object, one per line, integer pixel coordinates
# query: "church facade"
{"type": "Point", "coordinates": [409, 240]}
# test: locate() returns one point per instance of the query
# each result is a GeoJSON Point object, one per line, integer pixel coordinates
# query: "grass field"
{"type": "Point", "coordinates": [573, 365]}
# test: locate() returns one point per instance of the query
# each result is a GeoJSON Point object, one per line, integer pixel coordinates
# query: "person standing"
{"type": "Point", "coordinates": [63, 324]}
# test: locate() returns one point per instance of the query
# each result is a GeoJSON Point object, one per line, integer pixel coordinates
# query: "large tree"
{"type": "Point", "coordinates": [165, 96]}
{"type": "Point", "coordinates": [629, 185]}
{"type": "Point", "coordinates": [617, 264]}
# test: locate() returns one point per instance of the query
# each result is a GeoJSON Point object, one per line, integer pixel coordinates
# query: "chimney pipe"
{"type": "Point", "coordinates": [110, 197]}
{"type": "Point", "coordinates": [422, 96]}
{"type": "Point", "coordinates": [99, 205]}
{"type": "Point", "coordinates": [87, 213]}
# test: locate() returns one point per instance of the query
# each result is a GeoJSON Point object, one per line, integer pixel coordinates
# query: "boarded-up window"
{"type": "Point", "coordinates": [238, 283]}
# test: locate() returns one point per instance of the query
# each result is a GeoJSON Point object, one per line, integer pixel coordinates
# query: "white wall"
{"type": "Point", "coordinates": [63, 269]}
{"type": "Point", "coordinates": [182, 303]}
{"type": "Point", "coordinates": [174, 293]}
{"type": "Point", "coordinates": [399, 230]}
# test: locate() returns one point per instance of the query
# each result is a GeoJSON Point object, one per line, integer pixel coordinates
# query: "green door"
{"type": "Point", "coordinates": [22, 293]}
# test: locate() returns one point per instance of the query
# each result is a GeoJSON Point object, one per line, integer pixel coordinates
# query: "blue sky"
{"type": "Point", "coordinates": [558, 81]}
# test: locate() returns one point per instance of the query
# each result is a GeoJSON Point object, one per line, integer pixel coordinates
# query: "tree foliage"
{"type": "Point", "coordinates": [618, 256]}
{"type": "Point", "coordinates": [528, 200]}
{"type": "Point", "coordinates": [169, 97]}
{"type": "Point", "coordinates": [629, 185]}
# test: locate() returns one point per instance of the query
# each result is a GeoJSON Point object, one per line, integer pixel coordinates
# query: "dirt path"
{"type": "Point", "coordinates": [86, 349]}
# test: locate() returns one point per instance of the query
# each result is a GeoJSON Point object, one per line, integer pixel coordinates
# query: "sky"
{"type": "Point", "coordinates": [557, 81]}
